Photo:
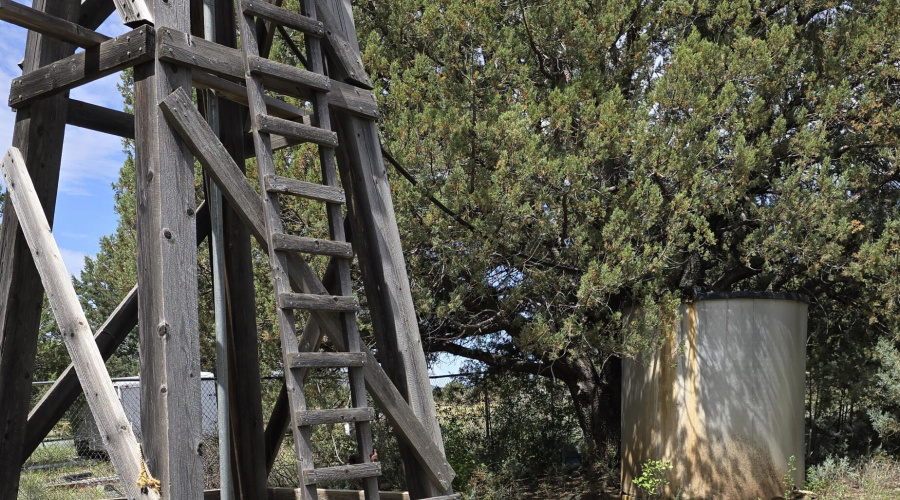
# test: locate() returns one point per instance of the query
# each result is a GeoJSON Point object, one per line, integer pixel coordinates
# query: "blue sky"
{"type": "Point", "coordinates": [90, 163]}
{"type": "Point", "coordinates": [91, 160]}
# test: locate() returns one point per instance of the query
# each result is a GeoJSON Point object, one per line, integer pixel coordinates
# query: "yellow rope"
{"type": "Point", "coordinates": [145, 480]}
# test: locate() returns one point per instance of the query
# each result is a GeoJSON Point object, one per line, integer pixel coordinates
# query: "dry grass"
{"type": "Point", "coordinates": [838, 479]}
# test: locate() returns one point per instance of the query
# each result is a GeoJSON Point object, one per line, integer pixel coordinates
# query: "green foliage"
{"type": "Point", "coordinates": [788, 478]}
{"type": "Point", "coordinates": [608, 155]}
{"type": "Point", "coordinates": [831, 477]}
{"type": "Point", "coordinates": [653, 479]}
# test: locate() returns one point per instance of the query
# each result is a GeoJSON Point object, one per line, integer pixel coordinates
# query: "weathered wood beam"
{"type": "Point", "coordinates": [92, 64]}
{"type": "Point", "coordinates": [376, 240]}
{"type": "Point", "coordinates": [238, 191]}
{"type": "Point", "coordinates": [238, 93]}
{"type": "Point", "coordinates": [343, 52]}
{"type": "Point", "coordinates": [167, 270]}
{"type": "Point", "coordinates": [194, 52]}
{"type": "Point", "coordinates": [291, 494]}
{"type": "Point", "coordinates": [94, 12]}
{"type": "Point", "coordinates": [134, 12]}
{"type": "Point", "coordinates": [39, 133]}
{"type": "Point", "coordinates": [49, 25]}
{"type": "Point", "coordinates": [100, 119]}
{"type": "Point", "coordinates": [247, 419]}
{"type": "Point", "coordinates": [66, 389]}
{"type": "Point", "coordinates": [105, 406]}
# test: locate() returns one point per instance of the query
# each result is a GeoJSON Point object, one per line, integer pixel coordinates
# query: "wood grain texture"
{"type": "Point", "coordinates": [283, 17]}
{"type": "Point", "coordinates": [315, 246]}
{"type": "Point", "coordinates": [66, 389]}
{"type": "Point", "coordinates": [218, 163]}
{"type": "Point", "coordinates": [313, 302]}
{"type": "Point", "coordinates": [274, 72]}
{"type": "Point", "coordinates": [297, 131]}
{"type": "Point", "coordinates": [341, 473]}
{"type": "Point", "coordinates": [180, 48]}
{"type": "Point", "coordinates": [238, 93]}
{"type": "Point", "coordinates": [92, 64]}
{"type": "Point", "coordinates": [327, 359]}
{"type": "Point", "coordinates": [309, 190]}
{"type": "Point", "coordinates": [39, 132]}
{"type": "Point", "coordinates": [335, 416]}
{"type": "Point", "coordinates": [100, 119]}
{"type": "Point", "coordinates": [343, 52]}
{"type": "Point", "coordinates": [49, 25]}
{"type": "Point", "coordinates": [167, 269]}
{"type": "Point", "coordinates": [118, 438]}
{"type": "Point", "coordinates": [134, 12]}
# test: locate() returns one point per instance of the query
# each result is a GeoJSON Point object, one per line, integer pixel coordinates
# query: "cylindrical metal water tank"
{"type": "Point", "coordinates": [722, 400]}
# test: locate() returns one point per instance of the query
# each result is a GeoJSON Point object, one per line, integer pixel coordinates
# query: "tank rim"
{"type": "Point", "coordinates": [797, 297]}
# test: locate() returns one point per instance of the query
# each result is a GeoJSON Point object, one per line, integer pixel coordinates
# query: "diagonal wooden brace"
{"type": "Point", "coordinates": [101, 397]}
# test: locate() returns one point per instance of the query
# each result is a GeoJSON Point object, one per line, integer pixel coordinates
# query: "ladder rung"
{"type": "Point", "coordinates": [286, 73]}
{"type": "Point", "coordinates": [315, 302]}
{"type": "Point", "coordinates": [455, 496]}
{"type": "Point", "coordinates": [287, 242]}
{"type": "Point", "coordinates": [311, 190]}
{"type": "Point", "coordinates": [356, 471]}
{"type": "Point", "coordinates": [284, 17]}
{"type": "Point", "coordinates": [327, 359]}
{"type": "Point", "coordinates": [299, 131]}
{"type": "Point", "coordinates": [335, 416]}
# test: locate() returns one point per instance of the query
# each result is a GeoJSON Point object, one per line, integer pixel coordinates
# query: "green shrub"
{"type": "Point", "coordinates": [653, 480]}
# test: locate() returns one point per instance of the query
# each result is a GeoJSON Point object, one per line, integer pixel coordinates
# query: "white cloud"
{"type": "Point", "coordinates": [74, 261]}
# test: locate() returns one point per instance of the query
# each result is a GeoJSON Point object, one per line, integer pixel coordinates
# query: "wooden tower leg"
{"type": "Point", "coordinates": [376, 238]}
{"type": "Point", "coordinates": [167, 275]}
{"type": "Point", "coordinates": [38, 134]}
{"type": "Point", "coordinates": [247, 425]}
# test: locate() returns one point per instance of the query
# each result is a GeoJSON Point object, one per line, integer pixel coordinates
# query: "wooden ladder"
{"type": "Point", "coordinates": [298, 359]}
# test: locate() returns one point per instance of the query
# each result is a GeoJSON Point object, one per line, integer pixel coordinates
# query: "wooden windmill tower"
{"type": "Point", "coordinates": [175, 46]}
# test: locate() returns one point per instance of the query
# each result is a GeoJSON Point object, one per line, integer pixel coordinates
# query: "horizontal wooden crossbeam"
{"type": "Point", "coordinates": [94, 63]}
{"type": "Point", "coordinates": [100, 119]}
{"type": "Point", "coordinates": [227, 63]}
{"type": "Point", "coordinates": [240, 194]}
{"type": "Point", "coordinates": [50, 25]}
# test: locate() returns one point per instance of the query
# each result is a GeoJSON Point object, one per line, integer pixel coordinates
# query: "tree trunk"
{"type": "Point", "coordinates": [596, 397]}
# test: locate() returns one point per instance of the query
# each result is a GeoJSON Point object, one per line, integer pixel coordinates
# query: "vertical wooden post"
{"type": "Point", "coordinates": [248, 425]}
{"type": "Point", "coordinates": [39, 133]}
{"type": "Point", "coordinates": [376, 239]}
{"type": "Point", "coordinates": [167, 275]}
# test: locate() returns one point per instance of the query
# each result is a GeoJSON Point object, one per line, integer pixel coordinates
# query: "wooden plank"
{"type": "Point", "coordinates": [196, 134]}
{"type": "Point", "coordinates": [105, 406]}
{"type": "Point", "coordinates": [100, 119]}
{"type": "Point", "coordinates": [273, 71]}
{"type": "Point", "coordinates": [94, 63]}
{"type": "Point", "coordinates": [335, 416]}
{"type": "Point", "coordinates": [327, 359]}
{"type": "Point", "coordinates": [341, 473]}
{"type": "Point", "coordinates": [309, 190]}
{"type": "Point", "coordinates": [134, 12]}
{"type": "Point", "coordinates": [227, 63]}
{"type": "Point", "coordinates": [298, 131]}
{"type": "Point", "coordinates": [38, 133]}
{"type": "Point", "coordinates": [238, 93]}
{"type": "Point", "coordinates": [167, 269]}
{"type": "Point", "coordinates": [66, 389]}
{"type": "Point", "coordinates": [315, 246]}
{"type": "Point", "coordinates": [323, 494]}
{"type": "Point", "coordinates": [235, 186]}
{"type": "Point", "coordinates": [310, 301]}
{"type": "Point", "coordinates": [343, 53]}
{"type": "Point", "coordinates": [284, 17]}
{"type": "Point", "coordinates": [49, 25]}
{"type": "Point", "coordinates": [446, 497]}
